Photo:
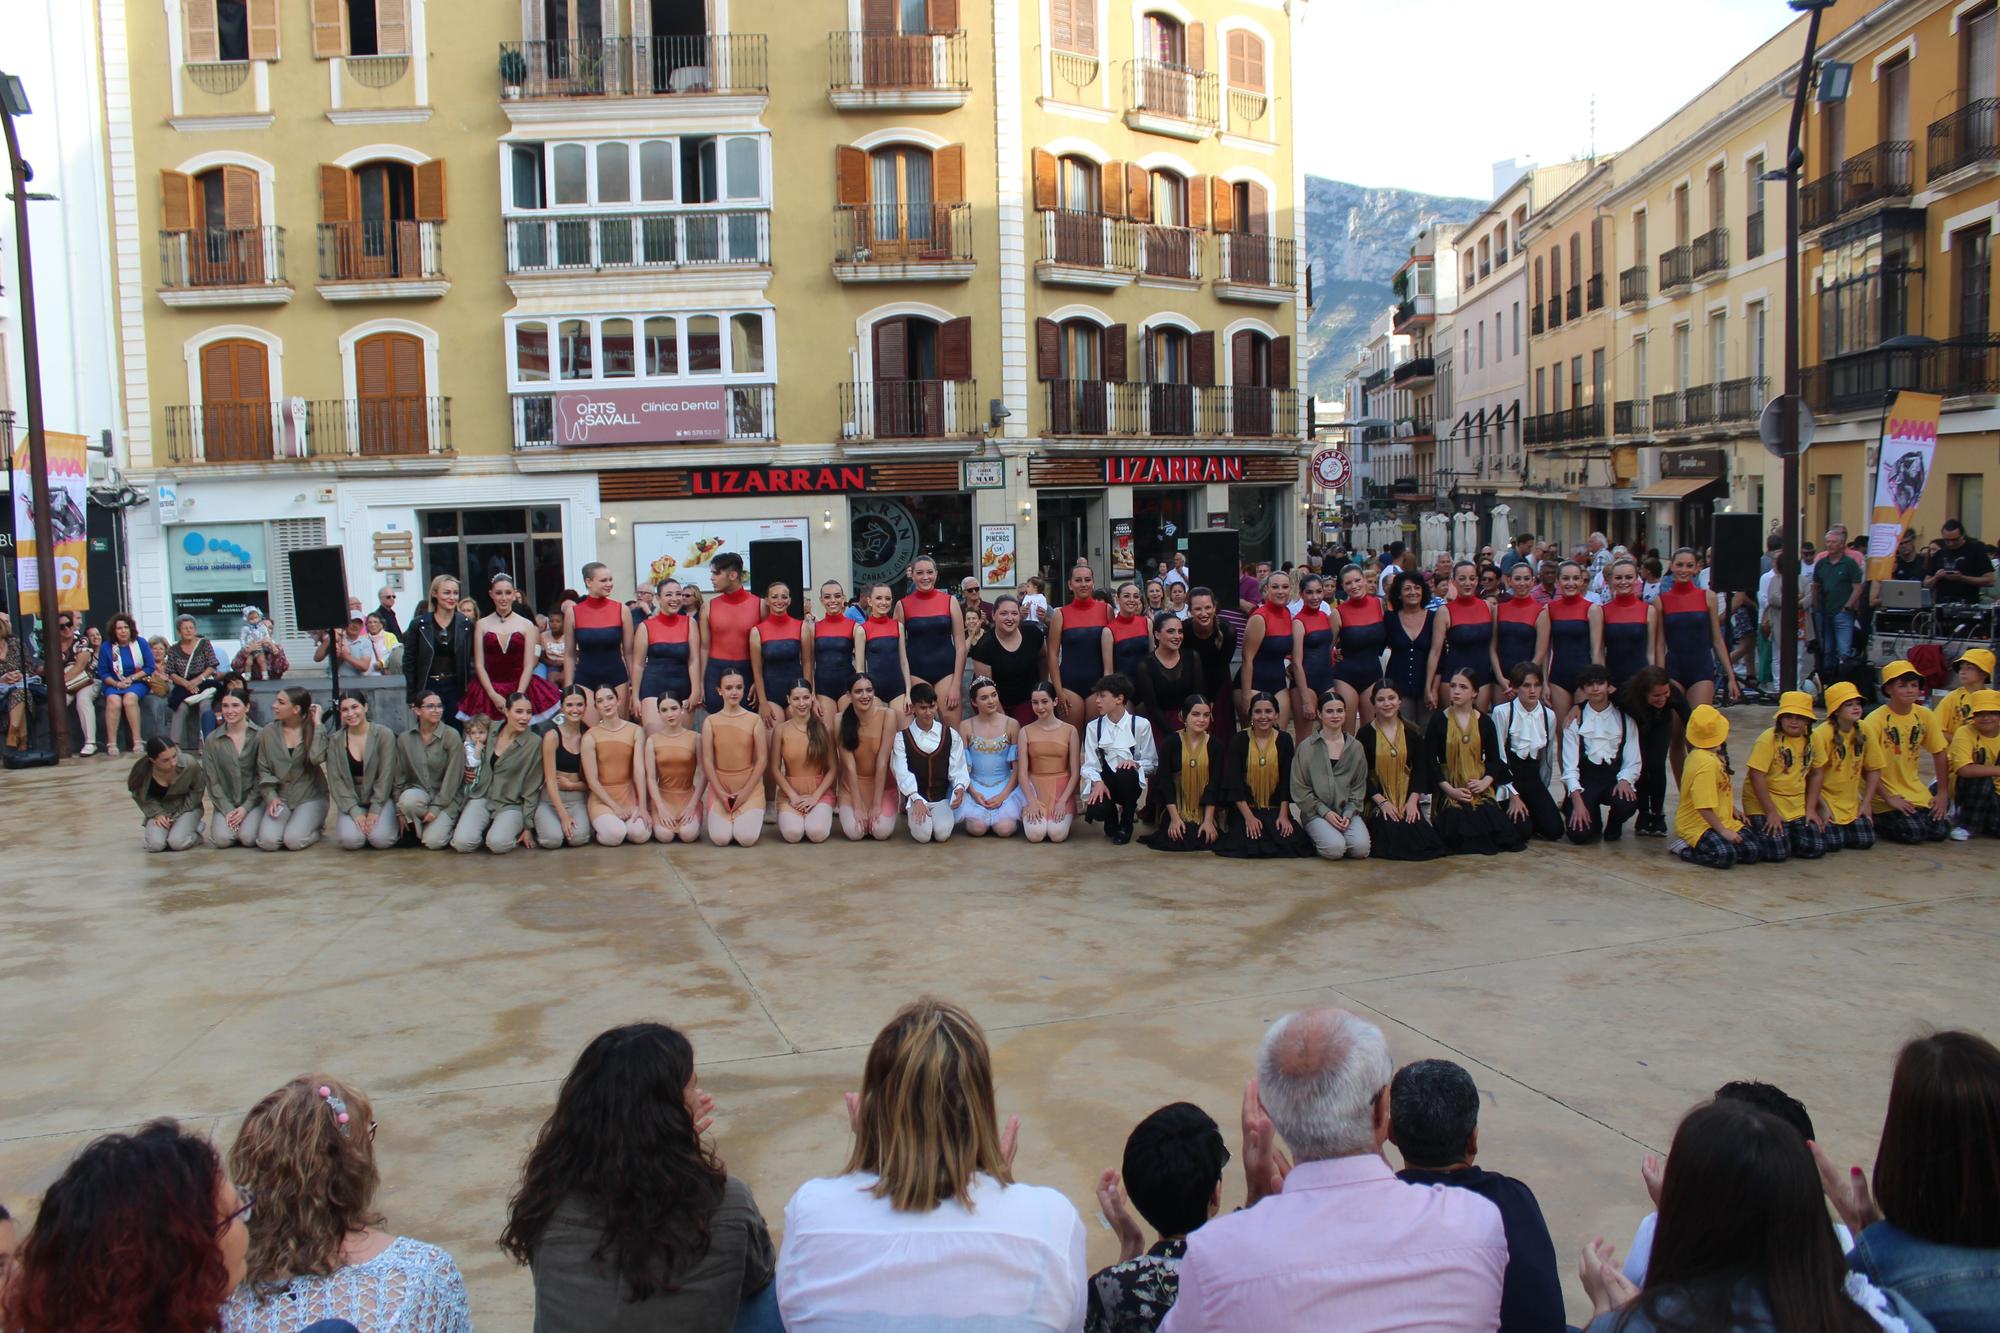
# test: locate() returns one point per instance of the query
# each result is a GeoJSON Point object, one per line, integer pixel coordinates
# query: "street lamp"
{"type": "Point", "coordinates": [13, 103]}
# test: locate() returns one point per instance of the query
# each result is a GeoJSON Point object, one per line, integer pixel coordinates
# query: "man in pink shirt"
{"type": "Point", "coordinates": [1337, 1242]}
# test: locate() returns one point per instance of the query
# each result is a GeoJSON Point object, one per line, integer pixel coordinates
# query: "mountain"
{"type": "Point", "coordinates": [1356, 238]}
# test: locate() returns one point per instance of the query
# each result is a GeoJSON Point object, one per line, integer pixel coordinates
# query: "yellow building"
{"type": "Point", "coordinates": [1897, 216]}
{"type": "Point", "coordinates": [1012, 283]}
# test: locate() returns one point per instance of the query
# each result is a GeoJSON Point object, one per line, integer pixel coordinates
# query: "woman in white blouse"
{"type": "Point", "coordinates": [928, 1225]}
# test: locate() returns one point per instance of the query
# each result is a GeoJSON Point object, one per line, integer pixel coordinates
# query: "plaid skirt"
{"type": "Point", "coordinates": [1979, 806]}
{"type": "Point", "coordinates": [1920, 825]}
{"type": "Point", "coordinates": [1856, 837]}
{"type": "Point", "coordinates": [1718, 853]}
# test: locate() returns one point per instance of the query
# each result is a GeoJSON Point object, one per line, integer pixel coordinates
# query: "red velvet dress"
{"type": "Point", "coordinates": [503, 668]}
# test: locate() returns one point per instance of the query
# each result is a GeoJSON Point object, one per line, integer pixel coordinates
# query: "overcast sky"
{"type": "Point", "coordinates": [1428, 94]}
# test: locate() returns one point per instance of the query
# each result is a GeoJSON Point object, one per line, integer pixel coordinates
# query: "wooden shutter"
{"type": "Point", "coordinates": [430, 191]}
{"type": "Point", "coordinates": [1197, 47]}
{"type": "Point", "coordinates": [892, 350]}
{"type": "Point", "coordinates": [198, 22]}
{"type": "Point", "coordinates": [1246, 61]}
{"type": "Point", "coordinates": [371, 368]}
{"type": "Point", "coordinates": [1222, 204]}
{"type": "Point", "coordinates": [241, 206]}
{"type": "Point", "coordinates": [948, 174]}
{"type": "Point", "coordinates": [1197, 202]}
{"type": "Point", "coordinates": [263, 18]}
{"type": "Point", "coordinates": [1046, 168]}
{"type": "Point", "coordinates": [1048, 349]}
{"type": "Point", "coordinates": [1083, 14]}
{"type": "Point", "coordinates": [851, 176]}
{"type": "Point", "coordinates": [336, 194]}
{"type": "Point", "coordinates": [1111, 189]}
{"type": "Point", "coordinates": [1062, 23]}
{"type": "Point", "coordinates": [1281, 363]}
{"type": "Point", "coordinates": [1138, 193]}
{"type": "Point", "coordinates": [218, 373]}
{"type": "Point", "coordinates": [392, 27]}
{"type": "Point", "coordinates": [955, 349]}
{"type": "Point", "coordinates": [1114, 354]}
{"type": "Point", "coordinates": [878, 16]}
{"type": "Point", "coordinates": [942, 15]}
{"type": "Point", "coordinates": [329, 25]}
{"type": "Point", "coordinates": [1201, 357]}
{"type": "Point", "coordinates": [177, 203]}
{"type": "Point", "coordinates": [1258, 209]}
{"type": "Point", "coordinates": [1242, 358]}
{"type": "Point", "coordinates": [406, 365]}
{"type": "Point", "coordinates": [389, 365]}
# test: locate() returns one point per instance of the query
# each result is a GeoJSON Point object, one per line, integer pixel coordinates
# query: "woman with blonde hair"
{"type": "Point", "coordinates": [928, 1224]}
{"type": "Point", "coordinates": [318, 1250]}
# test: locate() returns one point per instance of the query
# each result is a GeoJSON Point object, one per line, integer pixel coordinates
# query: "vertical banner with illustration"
{"type": "Point", "coordinates": [69, 468]}
{"type": "Point", "coordinates": [1909, 440]}
{"type": "Point", "coordinates": [1124, 561]}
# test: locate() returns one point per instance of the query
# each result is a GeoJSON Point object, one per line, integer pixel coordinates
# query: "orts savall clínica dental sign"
{"type": "Point", "coordinates": [641, 416]}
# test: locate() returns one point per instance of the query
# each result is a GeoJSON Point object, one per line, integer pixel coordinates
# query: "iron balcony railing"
{"type": "Point", "coordinates": [1632, 288]}
{"type": "Point", "coordinates": [1741, 400]}
{"type": "Point", "coordinates": [1711, 253]}
{"type": "Point", "coordinates": [1573, 303]}
{"type": "Point", "coordinates": [1171, 411]}
{"type": "Point", "coordinates": [1170, 252]}
{"type": "Point", "coordinates": [1676, 267]}
{"type": "Point", "coordinates": [1669, 414]}
{"type": "Point", "coordinates": [1416, 368]}
{"type": "Point", "coordinates": [1485, 271]}
{"type": "Point", "coordinates": [734, 62]}
{"type": "Point", "coordinates": [1087, 240]}
{"type": "Point", "coordinates": [1535, 319]}
{"type": "Point", "coordinates": [1406, 311]}
{"type": "Point", "coordinates": [1698, 405]}
{"type": "Point", "coordinates": [1500, 257]}
{"type": "Point", "coordinates": [902, 233]}
{"type": "Point", "coordinates": [392, 427]}
{"type": "Point", "coordinates": [223, 257]}
{"type": "Point", "coordinates": [1869, 177]}
{"type": "Point", "coordinates": [1968, 135]}
{"type": "Point", "coordinates": [1260, 261]}
{"type": "Point", "coordinates": [1864, 380]}
{"type": "Point", "coordinates": [381, 251]}
{"type": "Point", "coordinates": [622, 241]}
{"type": "Point", "coordinates": [1160, 88]}
{"type": "Point", "coordinates": [1631, 417]}
{"type": "Point", "coordinates": [910, 409]}
{"type": "Point", "coordinates": [1593, 292]}
{"type": "Point", "coordinates": [867, 62]}
{"type": "Point", "coordinates": [1555, 310]}
{"type": "Point", "coordinates": [752, 416]}
{"type": "Point", "coordinates": [1753, 235]}
{"type": "Point", "coordinates": [1565, 425]}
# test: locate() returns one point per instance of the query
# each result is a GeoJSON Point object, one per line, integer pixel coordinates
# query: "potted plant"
{"type": "Point", "coordinates": [513, 73]}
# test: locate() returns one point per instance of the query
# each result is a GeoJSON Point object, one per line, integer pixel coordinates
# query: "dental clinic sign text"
{"type": "Point", "coordinates": [641, 416]}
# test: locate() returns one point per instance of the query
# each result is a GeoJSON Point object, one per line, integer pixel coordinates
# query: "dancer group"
{"type": "Point", "coordinates": [1349, 728]}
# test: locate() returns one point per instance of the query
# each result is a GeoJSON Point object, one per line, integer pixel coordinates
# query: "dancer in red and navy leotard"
{"type": "Point", "coordinates": [1687, 637]}
{"type": "Point", "coordinates": [725, 626]}
{"type": "Point", "coordinates": [777, 652]}
{"type": "Point", "coordinates": [1079, 646]}
{"type": "Point", "coordinates": [598, 638]}
{"type": "Point", "coordinates": [1267, 651]}
{"type": "Point", "coordinates": [836, 641]}
{"type": "Point", "coordinates": [667, 654]}
{"type": "Point", "coordinates": [933, 638]}
{"type": "Point", "coordinates": [1131, 633]}
{"type": "Point", "coordinates": [1361, 633]}
{"type": "Point", "coordinates": [882, 650]}
{"type": "Point", "coordinates": [1625, 635]}
{"type": "Point", "coordinates": [1574, 625]}
{"type": "Point", "coordinates": [1520, 625]}
{"type": "Point", "coordinates": [1312, 653]}
{"type": "Point", "coordinates": [1466, 643]}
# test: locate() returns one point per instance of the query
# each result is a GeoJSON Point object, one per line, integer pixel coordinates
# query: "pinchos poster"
{"type": "Point", "coordinates": [996, 555]}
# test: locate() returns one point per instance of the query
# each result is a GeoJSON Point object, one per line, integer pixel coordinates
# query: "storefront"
{"type": "Point", "coordinates": [1683, 500]}
{"type": "Point", "coordinates": [1125, 513]}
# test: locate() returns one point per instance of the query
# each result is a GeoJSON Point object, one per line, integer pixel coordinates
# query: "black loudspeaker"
{"type": "Point", "coordinates": [1213, 562]}
{"type": "Point", "coordinates": [1738, 540]}
{"type": "Point", "coordinates": [319, 588]}
{"type": "Point", "coordinates": [780, 560]}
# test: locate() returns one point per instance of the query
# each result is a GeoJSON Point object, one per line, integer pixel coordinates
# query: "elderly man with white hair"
{"type": "Point", "coordinates": [1337, 1242]}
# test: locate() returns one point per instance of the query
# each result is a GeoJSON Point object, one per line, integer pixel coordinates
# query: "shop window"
{"type": "Point", "coordinates": [473, 545]}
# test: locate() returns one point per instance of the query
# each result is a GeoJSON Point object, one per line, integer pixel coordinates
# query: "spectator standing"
{"type": "Point", "coordinates": [385, 607]}
{"type": "Point", "coordinates": [1520, 553]}
{"type": "Point", "coordinates": [1837, 582]}
{"type": "Point", "coordinates": [1961, 570]}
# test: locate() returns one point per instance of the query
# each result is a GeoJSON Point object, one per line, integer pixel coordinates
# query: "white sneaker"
{"type": "Point", "coordinates": [1961, 834]}
{"type": "Point", "coordinates": [202, 696]}
{"type": "Point", "coordinates": [87, 751]}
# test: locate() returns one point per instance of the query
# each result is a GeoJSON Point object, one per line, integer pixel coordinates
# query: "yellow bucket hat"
{"type": "Point", "coordinates": [1899, 668]}
{"type": "Point", "coordinates": [1839, 693]}
{"type": "Point", "coordinates": [1986, 701]}
{"type": "Point", "coordinates": [1979, 657]}
{"type": "Point", "coordinates": [1707, 728]}
{"type": "Point", "coordinates": [1797, 703]}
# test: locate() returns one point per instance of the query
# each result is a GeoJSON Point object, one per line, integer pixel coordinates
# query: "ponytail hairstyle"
{"type": "Point", "coordinates": [819, 742]}
{"type": "Point", "coordinates": [300, 698]}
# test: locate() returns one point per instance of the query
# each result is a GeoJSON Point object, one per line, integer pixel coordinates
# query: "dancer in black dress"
{"type": "Point", "coordinates": [1399, 780]}
{"type": "Point", "coordinates": [1467, 767]}
{"type": "Point", "coordinates": [1258, 783]}
{"type": "Point", "coordinates": [1182, 797]}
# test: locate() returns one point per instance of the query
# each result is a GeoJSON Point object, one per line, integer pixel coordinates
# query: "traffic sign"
{"type": "Point", "coordinates": [1771, 425]}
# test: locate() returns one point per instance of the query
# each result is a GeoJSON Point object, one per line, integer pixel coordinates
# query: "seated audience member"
{"type": "Point", "coordinates": [1172, 1173]}
{"type": "Point", "coordinates": [1434, 1123]}
{"type": "Point", "coordinates": [142, 1233]}
{"type": "Point", "coordinates": [1742, 1242]}
{"type": "Point", "coordinates": [1929, 1231]}
{"type": "Point", "coordinates": [317, 1248]}
{"type": "Point", "coordinates": [1975, 763]}
{"type": "Point", "coordinates": [627, 1219]}
{"type": "Point", "coordinates": [927, 1227]}
{"type": "Point", "coordinates": [1336, 1242]}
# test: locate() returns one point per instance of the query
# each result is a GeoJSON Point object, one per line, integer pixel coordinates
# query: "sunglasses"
{"type": "Point", "coordinates": [242, 1212]}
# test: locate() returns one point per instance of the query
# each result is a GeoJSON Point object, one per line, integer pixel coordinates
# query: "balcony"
{"type": "Point", "coordinates": [1676, 268]}
{"type": "Point", "coordinates": [1632, 286]}
{"type": "Point", "coordinates": [1535, 320]}
{"type": "Point", "coordinates": [224, 266]}
{"type": "Point", "coordinates": [607, 67]}
{"type": "Point", "coordinates": [903, 243]}
{"type": "Point", "coordinates": [1257, 269]}
{"type": "Point", "coordinates": [1593, 292]}
{"type": "Point", "coordinates": [1169, 99]}
{"type": "Point", "coordinates": [1573, 303]}
{"type": "Point", "coordinates": [324, 430]}
{"type": "Point", "coordinates": [1711, 254]}
{"type": "Point", "coordinates": [1965, 138]}
{"type": "Point", "coordinates": [1632, 417]}
{"type": "Point", "coordinates": [1169, 253]}
{"type": "Point", "coordinates": [1741, 401]}
{"type": "Point", "coordinates": [1087, 250]}
{"type": "Point", "coordinates": [1669, 413]}
{"type": "Point", "coordinates": [1876, 175]}
{"type": "Point", "coordinates": [872, 71]}
{"type": "Point", "coordinates": [1413, 311]}
{"type": "Point", "coordinates": [1863, 381]}
{"type": "Point", "coordinates": [910, 410]}
{"type": "Point", "coordinates": [1564, 426]}
{"type": "Point", "coordinates": [1753, 235]}
{"type": "Point", "coordinates": [750, 416]}
{"type": "Point", "coordinates": [1555, 311]}
{"type": "Point", "coordinates": [1417, 370]}
{"type": "Point", "coordinates": [1500, 258]}
{"type": "Point", "coordinates": [381, 261]}
{"type": "Point", "coordinates": [1698, 406]}
{"type": "Point", "coordinates": [1093, 408]}
{"type": "Point", "coordinates": [628, 242]}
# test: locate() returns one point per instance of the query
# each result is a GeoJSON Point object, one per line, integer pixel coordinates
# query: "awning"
{"type": "Point", "coordinates": [1676, 488]}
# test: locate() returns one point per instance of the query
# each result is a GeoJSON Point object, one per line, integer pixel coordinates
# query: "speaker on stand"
{"type": "Point", "coordinates": [319, 595]}
{"type": "Point", "coordinates": [1738, 540]}
{"type": "Point", "coordinates": [779, 560]}
{"type": "Point", "coordinates": [1213, 561]}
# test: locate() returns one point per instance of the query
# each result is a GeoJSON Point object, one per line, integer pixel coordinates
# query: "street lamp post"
{"type": "Point", "coordinates": [14, 102]}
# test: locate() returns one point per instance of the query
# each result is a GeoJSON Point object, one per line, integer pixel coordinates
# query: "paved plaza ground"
{"type": "Point", "coordinates": [1595, 994]}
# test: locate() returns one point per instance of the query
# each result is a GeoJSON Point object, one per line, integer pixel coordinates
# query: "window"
{"type": "Point", "coordinates": [1165, 41]}
{"type": "Point", "coordinates": [1575, 259]}
{"type": "Point", "coordinates": [1639, 369]}
{"type": "Point", "coordinates": [631, 348]}
{"type": "Point", "coordinates": [1718, 215]}
{"type": "Point", "coordinates": [1753, 320]}
{"type": "Point", "coordinates": [235, 400]}
{"type": "Point", "coordinates": [531, 354]}
{"type": "Point", "coordinates": [1597, 247]}
{"type": "Point", "coordinates": [746, 344]}
{"type": "Point", "coordinates": [1753, 183]}
{"type": "Point", "coordinates": [698, 169]}
{"type": "Point", "coordinates": [1246, 59]}
{"type": "Point", "coordinates": [574, 351]}
{"type": "Point", "coordinates": [1681, 236]}
{"type": "Point", "coordinates": [1080, 348]}
{"type": "Point", "coordinates": [1079, 184]}
{"type": "Point", "coordinates": [1681, 356]}
{"type": "Point", "coordinates": [1894, 82]}
{"type": "Point", "coordinates": [614, 173]}
{"type": "Point", "coordinates": [1576, 381]}
{"type": "Point", "coordinates": [619, 361]}
{"type": "Point", "coordinates": [229, 30]}
{"type": "Point", "coordinates": [1639, 237]}
{"type": "Point", "coordinates": [663, 342]}
{"type": "Point", "coordinates": [656, 171]}
{"type": "Point", "coordinates": [1166, 355]}
{"type": "Point", "coordinates": [1517, 328]}
{"type": "Point", "coordinates": [1597, 375]}
{"type": "Point", "coordinates": [1833, 136]}
{"type": "Point", "coordinates": [704, 342]}
{"type": "Point", "coordinates": [1073, 26]}
{"type": "Point", "coordinates": [1965, 496]}
{"type": "Point", "coordinates": [1538, 282]}
{"type": "Point", "coordinates": [1170, 199]}
{"type": "Point", "coordinates": [390, 395]}
{"type": "Point", "coordinates": [1481, 362]}
{"type": "Point", "coordinates": [1718, 347]}
{"type": "Point", "coordinates": [1831, 497]}
{"type": "Point", "coordinates": [1979, 62]}
{"type": "Point", "coordinates": [1499, 343]}
{"type": "Point", "coordinates": [1971, 257]}
{"type": "Point", "coordinates": [360, 28]}
{"type": "Point", "coordinates": [1541, 398]}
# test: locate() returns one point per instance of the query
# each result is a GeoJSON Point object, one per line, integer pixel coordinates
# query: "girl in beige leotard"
{"type": "Point", "coordinates": [802, 769]}
{"type": "Point", "coordinates": [868, 799]}
{"type": "Point", "coordinates": [674, 778]}
{"type": "Point", "coordinates": [732, 757]}
{"type": "Point", "coordinates": [1048, 768]}
{"type": "Point", "coordinates": [617, 805]}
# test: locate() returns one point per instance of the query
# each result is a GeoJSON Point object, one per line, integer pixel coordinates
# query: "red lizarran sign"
{"type": "Point", "coordinates": [1171, 469]}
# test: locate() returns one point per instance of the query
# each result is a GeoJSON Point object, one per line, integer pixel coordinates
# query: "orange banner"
{"type": "Point", "coordinates": [1909, 440]}
{"type": "Point", "coordinates": [69, 470]}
